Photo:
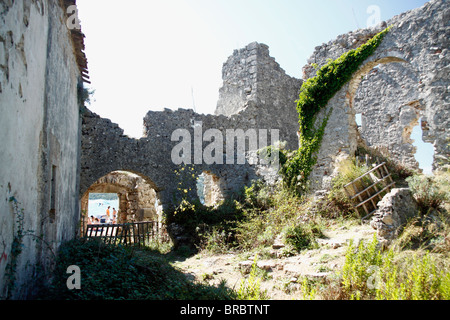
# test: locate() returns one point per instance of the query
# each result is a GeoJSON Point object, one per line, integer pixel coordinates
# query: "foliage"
{"type": "Point", "coordinates": [370, 274]}
{"type": "Point", "coordinates": [250, 288]}
{"type": "Point", "coordinates": [429, 232]}
{"type": "Point", "coordinates": [110, 272]}
{"type": "Point", "coordinates": [314, 96]}
{"type": "Point", "coordinates": [84, 95]}
{"type": "Point", "coordinates": [429, 192]}
{"type": "Point", "coordinates": [355, 273]}
{"type": "Point", "coordinates": [265, 214]}
{"type": "Point", "coordinates": [302, 236]}
{"type": "Point", "coordinates": [204, 225]}
{"type": "Point", "coordinates": [103, 196]}
{"type": "Point", "coordinates": [338, 203]}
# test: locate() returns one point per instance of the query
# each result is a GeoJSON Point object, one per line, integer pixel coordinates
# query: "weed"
{"type": "Point", "coordinates": [250, 288]}
{"type": "Point", "coordinates": [427, 192]}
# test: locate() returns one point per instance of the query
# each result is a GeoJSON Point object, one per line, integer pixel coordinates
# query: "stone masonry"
{"type": "Point", "coordinates": [405, 80]}
{"type": "Point", "coordinates": [269, 104]}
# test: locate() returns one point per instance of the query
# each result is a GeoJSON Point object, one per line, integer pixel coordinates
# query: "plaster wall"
{"type": "Point", "coordinates": [40, 134]}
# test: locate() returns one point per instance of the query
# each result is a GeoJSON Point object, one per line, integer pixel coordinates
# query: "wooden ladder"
{"type": "Point", "coordinates": [367, 190]}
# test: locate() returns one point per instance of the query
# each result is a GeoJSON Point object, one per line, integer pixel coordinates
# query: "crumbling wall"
{"type": "Point", "coordinates": [406, 79]}
{"type": "Point", "coordinates": [40, 130]}
{"type": "Point", "coordinates": [268, 106]}
{"type": "Point", "coordinates": [251, 75]}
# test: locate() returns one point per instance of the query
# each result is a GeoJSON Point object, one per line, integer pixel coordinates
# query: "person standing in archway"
{"type": "Point", "coordinates": [108, 213]}
{"type": "Point", "coordinates": [114, 216]}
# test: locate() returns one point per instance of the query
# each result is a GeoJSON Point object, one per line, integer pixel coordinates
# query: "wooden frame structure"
{"type": "Point", "coordinates": [136, 233]}
{"type": "Point", "coordinates": [367, 190]}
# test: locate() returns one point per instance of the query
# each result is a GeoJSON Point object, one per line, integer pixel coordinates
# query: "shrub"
{"type": "Point", "coordinates": [430, 232]}
{"type": "Point", "coordinates": [303, 236]}
{"type": "Point", "coordinates": [370, 274]}
{"type": "Point", "coordinates": [202, 225]}
{"type": "Point", "coordinates": [339, 204]}
{"type": "Point", "coordinates": [261, 225]}
{"type": "Point", "coordinates": [250, 288]}
{"type": "Point", "coordinates": [427, 192]}
{"type": "Point", "coordinates": [355, 273]}
{"type": "Point", "coordinates": [110, 272]}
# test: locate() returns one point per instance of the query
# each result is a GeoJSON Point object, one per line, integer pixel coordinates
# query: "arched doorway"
{"type": "Point", "coordinates": [138, 200]}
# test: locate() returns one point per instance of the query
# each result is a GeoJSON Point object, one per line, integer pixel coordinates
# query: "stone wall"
{"type": "Point", "coordinates": [40, 130]}
{"type": "Point", "coordinates": [270, 105]}
{"type": "Point", "coordinates": [406, 79]}
{"type": "Point", "coordinates": [251, 75]}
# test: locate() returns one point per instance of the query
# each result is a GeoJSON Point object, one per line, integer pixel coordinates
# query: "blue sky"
{"type": "Point", "coordinates": [150, 55]}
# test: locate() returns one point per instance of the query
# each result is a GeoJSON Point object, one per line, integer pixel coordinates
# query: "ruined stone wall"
{"type": "Point", "coordinates": [40, 130]}
{"type": "Point", "coordinates": [269, 104]}
{"type": "Point", "coordinates": [406, 79]}
{"type": "Point", "coordinates": [252, 75]}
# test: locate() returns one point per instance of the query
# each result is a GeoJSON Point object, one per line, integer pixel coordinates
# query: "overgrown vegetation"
{"type": "Point", "coordinates": [429, 192]}
{"type": "Point", "coordinates": [110, 272]}
{"type": "Point", "coordinates": [415, 267]}
{"type": "Point", "coordinates": [417, 264]}
{"type": "Point", "coordinates": [250, 287]}
{"type": "Point", "coordinates": [371, 274]}
{"type": "Point", "coordinates": [314, 96]}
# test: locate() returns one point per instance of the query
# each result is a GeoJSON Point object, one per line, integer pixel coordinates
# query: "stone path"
{"type": "Point", "coordinates": [280, 276]}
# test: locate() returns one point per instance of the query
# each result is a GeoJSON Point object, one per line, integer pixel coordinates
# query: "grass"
{"type": "Point", "coordinates": [416, 266]}
{"type": "Point", "coordinates": [111, 272]}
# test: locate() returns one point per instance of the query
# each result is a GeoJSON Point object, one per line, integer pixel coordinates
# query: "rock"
{"type": "Point", "coordinates": [278, 243]}
{"type": "Point", "coordinates": [394, 211]}
{"type": "Point", "coordinates": [266, 265]}
{"type": "Point", "coordinates": [245, 267]}
{"type": "Point", "coordinates": [316, 275]}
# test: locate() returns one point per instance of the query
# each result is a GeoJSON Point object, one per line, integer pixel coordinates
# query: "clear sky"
{"type": "Point", "coordinates": [148, 55]}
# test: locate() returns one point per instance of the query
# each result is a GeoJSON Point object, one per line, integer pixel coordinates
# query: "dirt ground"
{"type": "Point", "coordinates": [279, 275]}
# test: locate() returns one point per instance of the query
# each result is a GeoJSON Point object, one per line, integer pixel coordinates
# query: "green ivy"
{"type": "Point", "coordinates": [314, 96]}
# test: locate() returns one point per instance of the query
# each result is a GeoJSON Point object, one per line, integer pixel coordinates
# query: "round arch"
{"type": "Point", "coordinates": [353, 85]}
{"type": "Point", "coordinates": [138, 199]}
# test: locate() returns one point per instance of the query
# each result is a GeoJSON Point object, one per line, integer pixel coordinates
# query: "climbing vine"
{"type": "Point", "coordinates": [314, 96]}
{"type": "Point", "coordinates": [16, 246]}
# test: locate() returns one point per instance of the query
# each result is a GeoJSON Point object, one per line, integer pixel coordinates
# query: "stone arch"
{"type": "Point", "coordinates": [366, 68]}
{"type": "Point", "coordinates": [342, 136]}
{"type": "Point", "coordinates": [353, 85]}
{"type": "Point", "coordinates": [138, 200]}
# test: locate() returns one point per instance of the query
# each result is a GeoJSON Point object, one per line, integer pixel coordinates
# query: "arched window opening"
{"type": "Point", "coordinates": [127, 197]}
{"type": "Point", "coordinates": [209, 190]}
